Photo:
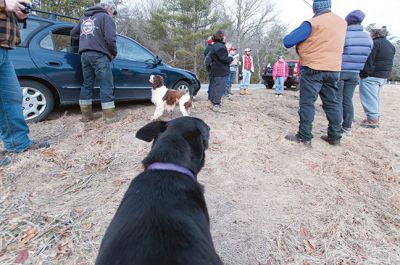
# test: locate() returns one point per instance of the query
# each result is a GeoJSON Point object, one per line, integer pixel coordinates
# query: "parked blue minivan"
{"type": "Point", "coordinates": [49, 69]}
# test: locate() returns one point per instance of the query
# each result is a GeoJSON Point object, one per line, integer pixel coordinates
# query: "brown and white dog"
{"type": "Point", "coordinates": [167, 99]}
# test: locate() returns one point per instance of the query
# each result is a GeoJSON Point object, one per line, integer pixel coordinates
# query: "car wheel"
{"type": "Point", "coordinates": [270, 85]}
{"type": "Point", "coordinates": [184, 87]}
{"type": "Point", "coordinates": [38, 101]}
{"type": "Point", "coordinates": [289, 86]}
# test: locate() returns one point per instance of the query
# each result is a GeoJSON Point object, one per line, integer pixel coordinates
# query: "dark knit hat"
{"type": "Point", "coordinates": [355, 17]}
{"type": "Point", "coordinates": [320, 5]}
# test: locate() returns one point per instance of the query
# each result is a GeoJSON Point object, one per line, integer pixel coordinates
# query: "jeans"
{"type": "Point", "coordinates": [324, 84]}
{"type": "Point", "coordinates": [246, 79]}
{"type": "Point", "coordinates": [370, 90]}
{"type": "Point", "coordinates": [279, 82]}
{"type": "Point", "coordinates": [210, 83]}
{"type": "Point", "coordinates": [97, 66]}
{"type": "Point", "coordinates": [13, 128]}
{"type": "Point", "coordinates": [218, 86]}
{"type": "Point", "coordinates": [347, 85]}
{"type": "Point", "coordinates": [229, 82]}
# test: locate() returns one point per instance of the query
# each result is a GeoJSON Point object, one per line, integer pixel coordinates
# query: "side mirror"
{"type": "Point", "coordinates": [158, 60]}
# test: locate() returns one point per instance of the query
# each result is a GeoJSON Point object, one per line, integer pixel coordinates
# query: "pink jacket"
{"type": "Point", "coordinates": [281, 69]}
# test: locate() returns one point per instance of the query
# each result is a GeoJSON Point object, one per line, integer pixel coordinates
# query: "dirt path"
{"type": "Point", "coordinates": [270, 201]}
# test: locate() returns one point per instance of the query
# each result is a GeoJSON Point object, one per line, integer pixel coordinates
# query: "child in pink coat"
{"type": "Point", "coordinates": [280, 73]}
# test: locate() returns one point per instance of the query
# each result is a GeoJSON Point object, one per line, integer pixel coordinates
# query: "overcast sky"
{"type": "Point", "coordinates": [385, 12]}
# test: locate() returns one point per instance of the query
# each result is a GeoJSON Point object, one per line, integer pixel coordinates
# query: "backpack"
{"type": "Point", "coordinates": [208, 61]}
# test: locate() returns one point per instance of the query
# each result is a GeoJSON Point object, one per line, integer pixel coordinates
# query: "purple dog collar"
{"type": "Point", "coordinates": [172, 167]}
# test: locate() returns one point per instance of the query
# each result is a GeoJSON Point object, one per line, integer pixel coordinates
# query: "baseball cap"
{"type": "Point", "coordinates": [111, 4]}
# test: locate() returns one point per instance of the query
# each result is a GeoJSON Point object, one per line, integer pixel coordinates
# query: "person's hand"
{"type": "Point", "coordinates": [16, 7]}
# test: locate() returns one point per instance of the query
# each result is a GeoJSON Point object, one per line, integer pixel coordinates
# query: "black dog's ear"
{"type": "Point", "coordinates": [151, 131]}
{"type": "Point", "coordinates": [205, 133]}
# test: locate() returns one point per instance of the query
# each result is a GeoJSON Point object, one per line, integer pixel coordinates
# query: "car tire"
{"type": "Point", "coordinates": [289, 86]}
{"type": "Point", "coordinates": [270, 85]}
{"type": "Point", "coordinates": [38, 101]}
{"type": "Point", "coordinates": [183, 86]}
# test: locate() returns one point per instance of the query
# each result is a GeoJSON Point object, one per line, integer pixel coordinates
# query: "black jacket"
{"type": "Point", "coordinates": [208, 49]}
{"type": "Point", "coordinates": [380, 62]}
{"type": "Point", "coordinates": [220, 60]}
{"type": "Point", "coordinates": [96, 31]}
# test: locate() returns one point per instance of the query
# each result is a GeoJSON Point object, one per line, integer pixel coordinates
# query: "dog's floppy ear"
{"type": "Point", "coordinates": [151, 131]}
{"type": "Point", "coordinates": [205, 133]}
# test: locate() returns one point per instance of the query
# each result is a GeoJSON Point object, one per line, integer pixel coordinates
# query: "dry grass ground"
{"type": "Point", "coordinates": [270, 201]}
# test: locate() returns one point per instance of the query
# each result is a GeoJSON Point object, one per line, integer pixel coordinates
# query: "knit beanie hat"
{"type": "Point", "coordinates": [320, 5]}
{"type": "Point", "coordinates": [355, 17]}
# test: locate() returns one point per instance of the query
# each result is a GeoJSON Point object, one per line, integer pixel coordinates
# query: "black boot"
{"type": "Point", "coordinates": [297, 139]}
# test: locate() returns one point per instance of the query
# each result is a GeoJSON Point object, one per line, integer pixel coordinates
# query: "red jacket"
{"type": "Point", "coordinates": [281, 69]}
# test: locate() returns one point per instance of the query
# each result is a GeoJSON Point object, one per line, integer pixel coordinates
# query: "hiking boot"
{"type": "Point", "coordinates": [109, 115]}
{"type": "Point", "coordinates": [370, 123]}
{"type": "Point", "coordinates": [347, 131]}
{"type": "Point", "coordinates": [217, 108]}
{"type": "Point", "coordinates": [246, 92]}
{"type": "Point", "coordinates": [87, 113]}
{"type": "Point", "coordinates": [295, 138]}
{"type": "Point", "coordinates": [38, 145]}
{"type": "Point", "coordinates": [330, 141]}
{"type": "Point", "coordinates": [242, 92]}
{"type": "Point", "coordinates": [4, 159]}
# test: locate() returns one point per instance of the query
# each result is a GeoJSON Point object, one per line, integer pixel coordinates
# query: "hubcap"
{"type": "Point", "coordinates": [34, 102]}
{"type": "Point", "coordinates": [183, 88]}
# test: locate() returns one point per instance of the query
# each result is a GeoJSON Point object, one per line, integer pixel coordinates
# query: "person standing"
{"type": "Point", "coordinates": [247, 70]}
{"type": "Point", "coordinates": [357, 47]}
{"type": "Point", "coordinates": [280, 73]}
{"type": "Point", "coordinates": [96, 32]}
{"type": "Point", "coordinates": [207, 62]}
{"type": "Point", "coordinates": [232, 71]}
{"type": "Point", "coordinates": [219, 69]}
{"type": "Point", "coordinates": [374, 75]}
{"type": "Point", "coordinates": [13, 128]}
{"type": "Point", "coordinates": [320, 43]}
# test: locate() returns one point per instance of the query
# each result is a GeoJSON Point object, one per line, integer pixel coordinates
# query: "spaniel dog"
{"type": "Point", "coordinates": [163, 217]}
{"type": "Point", "coordinates": [167, 99]}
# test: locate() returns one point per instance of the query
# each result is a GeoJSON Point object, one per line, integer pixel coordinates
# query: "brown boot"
{"type": "Point", "coordinates": [246, 91]}
{"type": "Point", "coordinates": [109, 115]}
{"type": "Point", "coordinates": [370, 123]}
{"type": "Point", "coordinates": [242, 91]}
{"type": "Point", "coordinates": [87, 113]}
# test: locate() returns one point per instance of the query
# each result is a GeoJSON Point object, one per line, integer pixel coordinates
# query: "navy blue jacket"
{"type": "Point", "coordinates": [380, 61]}
{"type": "Point", "coordinates": [96, 31]}
{"type": "Point", "coordinates": [357, 47]}
{"type": "Point", "coordinates": [220, 60]}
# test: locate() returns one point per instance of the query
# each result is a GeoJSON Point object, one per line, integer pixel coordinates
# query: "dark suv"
{"type": "Point", "coordinates": [292, 80]}
{"type": "Point", "coordinates": [49, 68]}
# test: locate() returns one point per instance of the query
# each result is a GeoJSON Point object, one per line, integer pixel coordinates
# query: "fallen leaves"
{"type": "Point", "coordinates": [119, 182]}
{"type": "Point", "coordinates": [22, 257]}
{"type": "Point", "coordinates": [27, 235]}
{"type": "Point", "coordinates": [309, 246]}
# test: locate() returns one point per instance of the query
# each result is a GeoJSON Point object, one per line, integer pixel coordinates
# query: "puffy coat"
{"type": "Point", "coordinates": [357, 47]}
{"type": "Point", "coordinates": [281, 69]}
{"type": "Point", "coordinates": [220, 60]}
{"type": "Point", "coordinates": [380, 61]}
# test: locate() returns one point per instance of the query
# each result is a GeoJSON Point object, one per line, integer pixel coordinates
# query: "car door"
{"type": "Point", "coordinates": [54, 55]}
{"type": "Point", "coordinates": [132, 69]}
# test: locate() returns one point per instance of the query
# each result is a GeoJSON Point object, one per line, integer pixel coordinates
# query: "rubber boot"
{"type": "Point", "coordinates": [109, 115]}
{"type": "Point", "coordinates": [87, 113]}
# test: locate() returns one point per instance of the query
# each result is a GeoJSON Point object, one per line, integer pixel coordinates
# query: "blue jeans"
{"type": "Point", "coordinates": [324, 84]}
{"type": "Point", "coordinates": [218, 86]}
{"type": "Point", "coordinates": [347, 85]}
{"type": "Point", "coordinates": [279, 82]}
{"type": "Point", "coordinates": [246, 79]}
{"type": "Point", "coordinates": [229, 82]}
{"type": "Point", "coordinates": [97, 66]}
{"type": "Point", "coordinates": [370, 91]}
{"type": "Point", "coordinates": [13, 128]}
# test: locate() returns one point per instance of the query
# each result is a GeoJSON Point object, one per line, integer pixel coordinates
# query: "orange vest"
{"type": "Point", "coordinates": [324, 47]}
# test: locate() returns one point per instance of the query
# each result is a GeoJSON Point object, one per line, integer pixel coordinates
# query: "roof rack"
{"type": "Point", "coordinates": [53, 15]}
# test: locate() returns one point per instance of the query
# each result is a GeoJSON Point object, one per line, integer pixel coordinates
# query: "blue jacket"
{"type": "Point", "coordinates": [357, 47]}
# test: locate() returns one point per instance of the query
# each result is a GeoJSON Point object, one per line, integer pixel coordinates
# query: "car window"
{"type": "Point", "coordinates": [58, 40]}
{"type": "Point", "coordinates": [130, 50]}
{"type": "Point", "coordinates": [32, 26]}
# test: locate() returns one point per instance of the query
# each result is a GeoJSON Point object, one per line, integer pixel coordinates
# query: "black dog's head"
{"type": "Point", "coordinates": [182, 141]}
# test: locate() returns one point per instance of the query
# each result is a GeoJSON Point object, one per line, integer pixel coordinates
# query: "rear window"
{"type": "Point", "coordinates": [32, 26]}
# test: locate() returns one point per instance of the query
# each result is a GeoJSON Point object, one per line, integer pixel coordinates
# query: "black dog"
{"type": "Point", "coordinates": [163, 217]}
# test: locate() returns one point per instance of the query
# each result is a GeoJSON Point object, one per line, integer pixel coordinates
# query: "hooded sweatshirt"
{"type": "Point", "coordinates": [96, 31]}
